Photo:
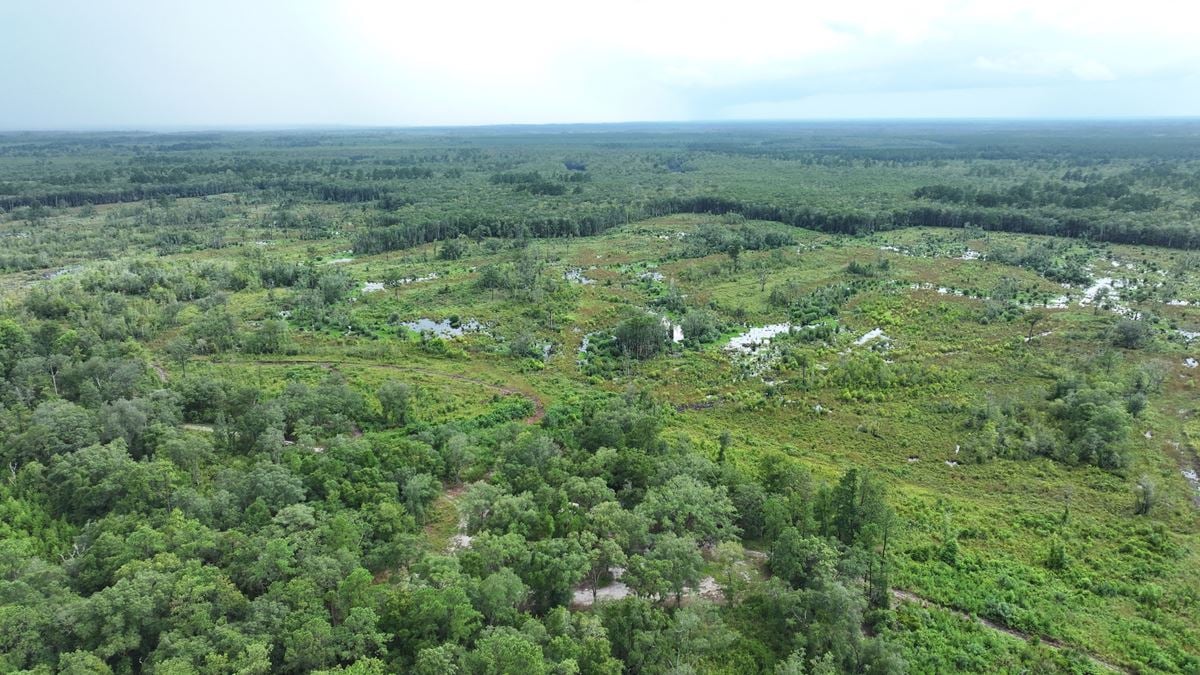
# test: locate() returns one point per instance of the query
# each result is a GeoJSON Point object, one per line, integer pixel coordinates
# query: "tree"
{"type": "Point", "coordinates": [1032, 319]}
{"type": "Point", "coordinates": [1143, 496]}
{"type": "Point", "coordinates": [696, 634]}
{"type": "Point", "coordinates": [55, 365]}
{"type": "Point", "coordinates": [493, 278]}
{"type": "Point", "coordinates": [794, 665]}
{"type": "Point", "coordinates": [500, 596]}
{"type": "Point", "coordinates": [505, 651]}
{"type": "Point", "coordinates": [1056, 557]}
{"type": "Point", "coordinates": [633, 624]}
{"type": "Point", "coordinates": [275, 560]}
{"type": "Point", "coordinates": [395, 278]}
{"type": "Point", "coordinates": [456, 453]}
{"type": "Point", "coordinates": [1100, 298]}
{"type": "Point", "coordinates": [645, 578]}
{"type": "Point", "coordinates": [730, 556]}
{"type": "Point", "coordinates": [1094, 422]}
{"type": "Point", "coordinates": [873, 539]}
{"type": "Point", "coordinates": [332, 286]}
{"type": "Point", "coordinates": [580, 640]}
{"type": "Point", "coordinates": [735, 255]}
{"type": "Point", "coordinates": [361, 666]}
{"type": "Point", "coordinates": [14, 343]}
{"type": "Point", "coordinates": [273, 484]}
{"type": "Point", "coordinates": [686, 507]}
{"type": "Point", "coordinates": [395, 400]}
{"type": "Point", "coordinates": [452, 249]}
{"type": "Point", "coordinates": [440, 660]}
{"type": "Point", "coordinates": [353, 592]}
{"type": "Point", "coordinates": [699, 326]}
{"type": "Point", "coordinates": [490, 552]}
{"type": "Point", "coordinates": [672, 565]}
{"type": "Point", "coordinates": [604, 554]}
{"type": "Point", "coordinates": [422, 616]}
{"type": "Point", "coordinates": [835, 619]}
{"type": "Point", "coordinates": [30, 379]}
{"type": "Point", "coordinates": [629, 529]}
{"type": "Point", "coordinates": [641, 335]}
{"type": "Point", "coordinates": [1131, 334]}
{"type": "Point", "coordinates": [749, 498]}
{"type": "Point", "coordinates": [190, 452]}
{"type": "Point", "coordinates": [80, 662]}
{"type": "Point", "coordinates": [215, 329]}
{"type": "Point", "coordinates": [419, 492]}
{"type": "Point", "coordinates": [180, 351]}
{"type": "Point", "coordinates": [142, 422]}
{"type": "Point", "coordinates": [271, 338]}
{"type": "Point", "coordinates": [91, 482]}
{"type": "Point", "coordinates": [55, 428]}
{"type": "Point", "coordinates": [802, 561]}
{"type": "Point", "coordinates": [555, 567]}
{"type": "Point", "coordinates": [880, 658]}
{"type": "Point", "coordinates": [856, 502]}
{"type": "Point", "coordinates": [309, 646]}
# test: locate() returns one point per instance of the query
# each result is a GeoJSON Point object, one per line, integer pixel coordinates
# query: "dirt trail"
{"type": "Point", "coordinates": [699, 405]}
{"type": "Point", "coordinates": [539, 408]}
{"type": "Point", "coordinates": [445, 510]}
{"type": "Point", "coordinates": [1189, 466]}
{"type": "Point", "coordinates": [907, 596]}
{"type": "Point", "coordinates": [708, 588]}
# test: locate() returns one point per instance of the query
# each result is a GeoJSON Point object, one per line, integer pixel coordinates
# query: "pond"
{"type": "Point", "coordinates": [576, 275]}
{"type": "Point", "coordinates": [874, 334]}
{"type": "Point", "coordinates": [758, 336]}
{"type": "Point", "coordinates": [443, 328]}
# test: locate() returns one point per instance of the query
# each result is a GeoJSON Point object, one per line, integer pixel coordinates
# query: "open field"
{"type": "Point", "coordinates": [279, 364]}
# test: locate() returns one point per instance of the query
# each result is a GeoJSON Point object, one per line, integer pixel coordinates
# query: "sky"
{"type": "Point", "coordinates": [68, 64]}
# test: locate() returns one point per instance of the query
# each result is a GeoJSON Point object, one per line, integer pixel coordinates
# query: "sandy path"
{"type": "Point", "coordinates": [907, 596]}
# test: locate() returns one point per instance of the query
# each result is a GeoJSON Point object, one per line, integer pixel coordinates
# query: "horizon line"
{"type": "Point", "coordinates": [314, 127]}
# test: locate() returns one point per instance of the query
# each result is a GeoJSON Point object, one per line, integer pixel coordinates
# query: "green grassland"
{"type": "Point", "coordinates": [1051, 550]}
{"type": "Point", "coordinates": [1129, 592]}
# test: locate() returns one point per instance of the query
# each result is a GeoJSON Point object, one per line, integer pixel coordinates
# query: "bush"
{"type": "Point", "coordinates": [452, 249]}
{"type": "Point", "coordinates": [524, 346]}
{"type": "Point", "coordinates": [641, 336]}
{"type": "Point", "coordinates": [1130, 334]}
{"type": "Point", "coordinates": [699, 326]}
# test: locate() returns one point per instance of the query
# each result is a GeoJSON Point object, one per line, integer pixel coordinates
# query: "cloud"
{"type": "Point", "coordinates": [380, 62]}
{"type": "Point", "coordinates": [1048, 66]}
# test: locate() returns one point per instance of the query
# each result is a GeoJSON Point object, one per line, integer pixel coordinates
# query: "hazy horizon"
{"type": "Point", "coordinates": [143, 65]}
{"type": "Point", "coordinates": [796, 122]}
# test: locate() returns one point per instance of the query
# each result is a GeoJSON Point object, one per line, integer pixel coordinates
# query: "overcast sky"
{"type": "Point", "coordinates": [210, 63]}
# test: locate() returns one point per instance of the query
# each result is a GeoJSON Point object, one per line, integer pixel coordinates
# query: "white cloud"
{"type": "Point", "coordinates": [459, 61]}
{"type": "Point", "coordinates": [1048, 65]}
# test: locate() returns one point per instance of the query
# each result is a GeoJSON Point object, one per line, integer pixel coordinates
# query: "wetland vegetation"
{"type": "Point", "coordinates": [734, 398]}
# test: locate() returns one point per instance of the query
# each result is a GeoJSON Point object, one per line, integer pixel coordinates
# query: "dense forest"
{"type": "Point", "coordinates": [746, 398]}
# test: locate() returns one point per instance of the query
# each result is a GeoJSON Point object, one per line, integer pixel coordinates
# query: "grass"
{"type": "Point", "coordinates": [1128, 593]}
